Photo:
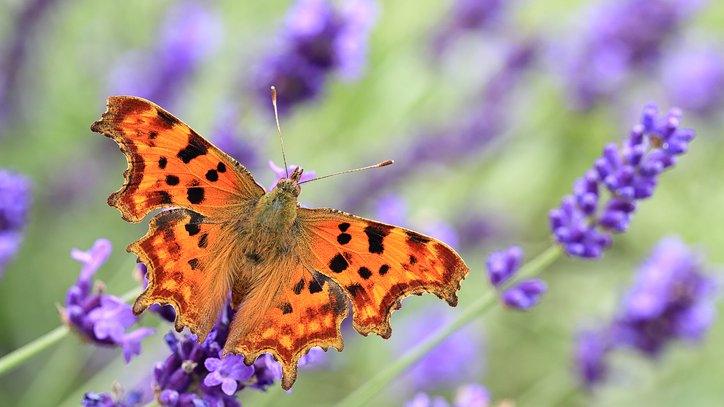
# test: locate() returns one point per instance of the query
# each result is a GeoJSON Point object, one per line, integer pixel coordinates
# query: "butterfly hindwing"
{"type": "Point", "coordinates": [169, 164]}
{"type": "Point", "coordinates": [186, 258]}
{"type": "Point", "coordinates": [308, 312]}
{"type": "Point", "coordinates": [378, 264]}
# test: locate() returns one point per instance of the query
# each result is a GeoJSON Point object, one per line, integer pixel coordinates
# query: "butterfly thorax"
{"type": "Point", "coordinates": [276, 211]}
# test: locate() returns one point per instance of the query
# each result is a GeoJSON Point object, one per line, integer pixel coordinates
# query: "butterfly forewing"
{"type": "Point", "coordinates": [169, 164]}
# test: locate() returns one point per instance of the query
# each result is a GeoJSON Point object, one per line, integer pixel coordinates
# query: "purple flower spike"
{"type": "Point", "coordinates": [503, 264]}
{"type": "Point", "coordinates": [592, 348]}
{"type": "Point", "coordinates": [227, 372]}
{"type": "Point", "coordinates": [583, 224]}
{"type": "Point", "coordinates": [97, 317]}
{"type": "Point", "coordinates": [623, 37]}
{"type": "Point", "coordinates": [317, 40]}
{"type": "Point", "coordinates": [14, 205]}
{"type": "Point", "coordinates": [524, 295]}
{"type": "Point", "coordinates": [694, 80]}
{"type": "Point", "coordinates": [670, 299]}
{"type": "Point", "coordinates": [468, 16]}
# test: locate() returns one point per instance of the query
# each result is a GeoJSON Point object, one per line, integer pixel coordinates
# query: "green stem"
{"type": "Point", "coordinates": [364, 393]}
{"type": "Point", "coordinates": [21, 355]}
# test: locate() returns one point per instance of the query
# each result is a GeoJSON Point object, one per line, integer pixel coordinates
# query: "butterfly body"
{"type": "Point", "coordinates": [291, 272]}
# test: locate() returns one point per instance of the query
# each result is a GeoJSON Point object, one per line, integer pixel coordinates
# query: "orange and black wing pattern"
{"type": "Point", "coordinates": [169, 164]}
{"type": "Point", "coordinates": [377, 264]}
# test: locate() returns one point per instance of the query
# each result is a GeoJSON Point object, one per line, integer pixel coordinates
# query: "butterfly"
{"type": "Point", "coordinates": [290, 272]}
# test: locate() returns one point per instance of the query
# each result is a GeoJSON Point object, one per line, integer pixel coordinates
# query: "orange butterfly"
{"type": "Point", "coordinates": [290, 270]}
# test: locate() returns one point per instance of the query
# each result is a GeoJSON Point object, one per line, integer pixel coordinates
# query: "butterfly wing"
{"type": "Point", "coordinates": [378, 264]}
{"type": "Point", "coordinates": [187, 258]}
{"type": "Point", "coordinates": [169, 164]}
{"type": "Point", "coordinates": [308, 312]}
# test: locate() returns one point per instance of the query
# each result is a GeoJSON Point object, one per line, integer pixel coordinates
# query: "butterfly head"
{"type": "Point", "coordinates": [291, 185]}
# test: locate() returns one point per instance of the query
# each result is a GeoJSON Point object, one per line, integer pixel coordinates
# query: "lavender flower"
{"type": "Point", "coordinates": [457, 359]}
{"type": "Point", "coordinates": [592, 347]}
{"type": "Point", "coordinates": [14, 205]}
{"type": "Point", "coordinates": [159, 74]}
{"type": "Point", "coordinates": [316, 40]}
{"type": "Point", "coordinates": [525, 294]}
{"type": "Point", "coordinates": [630, 172]}
{"type": "Point", "coordinates": [622, 37]}
{"type": "Point", "coordinates": [503, 264]}
{"type": "Point", "coordinates": [197, 373]}
{"type": "Point", "coordinates": [424, 400]}
{"type": "Point", "coordinates": [100, 318]}
{"type": "Point", "coordinates": [118, 398]}
{"type": "Point", "coordinates": [694, 80]}
{"type": "Point", "coordinates": [670, 299]}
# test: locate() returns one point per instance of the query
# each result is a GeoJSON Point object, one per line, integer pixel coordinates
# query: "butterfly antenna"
{"type": "Point", "coordinates": [378, 165]}
{"type": "Point", "coordinates": [279, 128]}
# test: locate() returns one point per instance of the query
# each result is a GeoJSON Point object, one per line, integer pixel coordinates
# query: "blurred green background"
{"type": "Point", "coordinates": [545, 146]}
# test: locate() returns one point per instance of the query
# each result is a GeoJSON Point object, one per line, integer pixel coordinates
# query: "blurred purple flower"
{"type": "Point", "coordinates": [118, 398]}
{"type": "Point", "coordinates": [466, 16]}
{"type": "Point", "coordinates": [315, 358]}
{"type": "Point", "coordinates": [15, 53]}
{"type": "Point", "coordinates": [281, 173]}
{"type": "Point", "coordinates": [484, 124]}
{"type": "Point", "coordinates": [694, 80]}
{"type": "Point", "coordinates": [671, 299]}
{"type": "Point", "coordinates": [458, 358]}
{"type": "Point", "coordinates": [197, 373]}
{"type": "Point", "coordinates": [392, 209]}
{"type": "Point", "coordinates": [100, 318]}
{"type": "Point", "coordinates": [630, 173]}
{"type": "Point", "coordinates": [472, 395]}
{"type": "Point", "coordinates": [621, 37]}
{"type": "Point", "coordinates": [316, 40]}
{"type": "Point", "coordinates": [503, 264]}
{"type": "Point", "coordinates": [468, 395]}
{"type": "Point", "coordinates": [159, 74]}
{"type": "Point", "coordinates": [592, 347]}
{"type": "Point", "coordinates": [15, 199]}
{"type": "Point", "coordinates": [525, 294]}
{"type": "Point", "coordinates": [424, 400]}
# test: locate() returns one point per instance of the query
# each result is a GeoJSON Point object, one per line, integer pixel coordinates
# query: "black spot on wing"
{"type": "Point", "coordinates": [384, 269]}
{"type": "Point", "coordinates": [221, 167]}
{"type": "Point", "coordinates": [204, 240]}
{"type": "Point", "coordinates": [212, 175]}
{"type": "Point", "coordinates": [192, 228]}
{"type": "Point", "coordinates": [286, 308]}
{"type": "Point", "coordinates": [314, 286]}
{"type": "Point", "coordinates": [414, 237]}
{"type": "Point", "coordinates": [162, 162]}
{"type": "Point", "coordinates": [194, 263]}
{"type": "Point", "coordinates": [364, 272]}
{"type": "Point", "coordinates": [344, 238]}
{"type": "Point", "coordinates": [299, 287]}
{"type": "Point", "coordinates": [413, 259]}
{"type": "Point", "coordinates": [172, 180]}
{"type": "Point", "coordinates": [167, 118]}
{"type": "Point", "coordinates": [195, 195]}
{"type": "Point", "coordinates": [163, 197]}
{"type": "Point", "coordinates": [375, 237]}
{"type": "Point", "coordinates": [356, 290]}
{"type": "Point", "coordinates": [193, 149]}
{"type": "Point", "coordinates": [338, 263]}
{"type": "Point", "coordinates": [152, 135]}
{"type": "Point", "coordinates": [343, 226]}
